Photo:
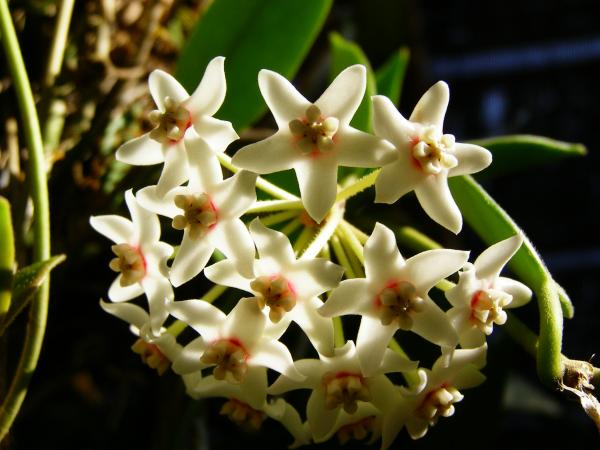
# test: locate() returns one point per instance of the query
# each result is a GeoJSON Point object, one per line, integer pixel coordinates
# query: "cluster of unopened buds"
{"type": "Point", "coordinates": [288, 273]}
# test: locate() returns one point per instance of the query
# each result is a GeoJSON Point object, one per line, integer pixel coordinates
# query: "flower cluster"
{"type": "Point", "coordinates": [282, 260]}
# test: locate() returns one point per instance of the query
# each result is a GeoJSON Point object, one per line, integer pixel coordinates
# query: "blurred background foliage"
{"type": "Point", "coordinates": [513, 67]}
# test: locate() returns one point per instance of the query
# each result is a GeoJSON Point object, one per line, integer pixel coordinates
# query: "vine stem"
{"type": "Point", "coordinates": [358, 186]}
{"type": "Point", "coordinates": [59, 41]}
{"type": "Point", "coordinates": [38, 312]}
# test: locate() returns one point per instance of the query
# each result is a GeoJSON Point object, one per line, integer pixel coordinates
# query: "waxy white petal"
{"type": "Point", "coordinates": [394, 362]}
{"type": "Point", "coordinates": [116, 228]}
{"type": "Point", "coordinates": [397, 179]}
{"type": "Point", "coordinates": [521, 294]}
{"type": "Point", "coordinates": [165, 206]}
{"type": "Point", "coordinates": [158, 291]}
{"type": "Point", "coordinates": [382, 257]}
{"type": "Point", "coordinates": [312, 277]}
{"type": "Point", "coordinates": [118, 293]}
{"type": "Point", "coordinates": [317, 180]}
{"type": "Point", "coordinates": [371, 342]}
{"type": "Point", "coordinates": [431, 108]}
{"type": "Point", "coordinates": [318, 329]}
{"type": "Point", "coordinates": [320, 419]}
{"type": "Point", "coordinates": [287, 415]}
{"type": "Point", "coordinates": [200, 315]}
{"type": "Point", "coordinates": [233, 239]}
{"type": "Point", "coordinates": [204, 167]}
{"type": "Point", "coordinates": [312, 369]}
{"type": "Point", "coordinates": [471, 159]}
{"type": "Point", "coordinates": [129, 312]}
{"type": "Point", "coordinates": [436, 199]}
{"type": "Point", "coordinates": [188, 360]}
{"type": "Point", "coordinates": [284, 101]}
{"type": "Point", "coordinates": [359, 149]}
{"type": "Point", "coordinates": [236, 195]}
{"type": "Point", "coordinates": [343, 96]}
{"type": "Point", "coordinates": [389, 124]}
{"type": "Point", "coordinates": [350, 297]}
{"type": "Point", "coordinates": [272, 245]}
{"type": "Point", "coordinates": [163, 85]}
{"type": "Point", "coordinates": [175, 171]}
{"type": "Point", "coordinates": [273, 154]}
{"type": "Point", "coordinates": [218, 134]}
{"type": "Point", "coordinates": [246, 322]}
{"type": "Point", "coordinates": [210, 93]}
{"type": "Point", "coordinates": [492, 260]}
{"type": "Point", "coordinates": [225, 273]}
{"type": "Point", "coordinates": [141, 151]}
{"type": "Point", "coordinates": [427, 268]}
{"type": "Point", "coordinates": [276, 356]}
{"type": "Point", "coordinates": [146, 224]}
{"type": "Point", "coordinates": [432, 324]}
{"type": "Point", "coordinates": [191, 259]}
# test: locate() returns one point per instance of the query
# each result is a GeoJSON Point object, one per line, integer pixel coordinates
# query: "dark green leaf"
{"type": "Point", "coordinates": [345, 53]}
{"type": "Point", "coordinates": [252, 35]}
{"type": "Point", "coordinates": [26, 282]}
{"type": "Point", "coordinates": [493, 224]}
{"type": "Point", "coordinates": [390, 76]}
{"type": "Point", "coordinates": [519, 152]}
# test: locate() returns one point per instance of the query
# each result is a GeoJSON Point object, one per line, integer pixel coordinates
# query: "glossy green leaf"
{"type": "Point", "coordinates": [345, 53]}
{"type": "Point", "coordinates": [390, 76]}
{"type": "Point", "coordinates": [493, 224]}
{"type": "Point", "coordinates": [25, 284]}
{"type": "Point", "coordinates": [517, 152]}
{"type": "Point", "coordinates": [7, 256]}
{"type": "Point", "coordinates": [252, 35]}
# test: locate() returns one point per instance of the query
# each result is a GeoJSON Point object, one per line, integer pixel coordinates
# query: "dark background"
{"type": "Point", "coordinates": [513, 67]}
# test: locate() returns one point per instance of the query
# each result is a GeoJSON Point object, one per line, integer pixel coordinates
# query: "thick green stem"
{"type": "Point", "coordinates": [357, 187]}
{"type": "Point", "coordinates": [549, 364]}
{"type": "Point", "coordinates": [36, 326]}
{"type": "Point", "coordinates": [274, 205]}
{"type": "Point", "coordinates": [7, 258]}
{"type": "Point", "coordinates": [331, 222]}
{"type": "Point", "coordinates": [341, 256]}
{"type": "Point", "coordinates": [277, 218]}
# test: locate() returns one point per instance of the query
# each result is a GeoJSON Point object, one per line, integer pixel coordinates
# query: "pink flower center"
{"type": "Point", "coordinates": [130, 262]}
{"type": "Point", "coordinates": [200, 215]}
{"type": "Point", "coordinates": [345, 389]}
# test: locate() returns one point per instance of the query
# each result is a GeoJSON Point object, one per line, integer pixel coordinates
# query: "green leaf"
{"type": "Point", "coordinates": [522, 151]}
{"type": "Point", "coordinates": [345, 53]}
{"type": "Point", "coordinates": [7, 257]}
{"type": "Point", "coordinates": [390, 76]}
{"type": "Point", "coordinates": [26, 282]}
{"type": "Point", "coordinates": [493, 224]}
{"type": "Point", "coordinates": [252, 35]}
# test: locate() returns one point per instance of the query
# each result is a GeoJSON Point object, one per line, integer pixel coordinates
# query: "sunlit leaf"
{"type": "Point", "coordinates": [390, 76]}
{"type": "Point", "coordinates": [252, 35]}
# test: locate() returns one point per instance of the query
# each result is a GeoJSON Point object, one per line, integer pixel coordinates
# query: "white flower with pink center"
{"type": "Point", "coordinates": [315, 138]}
{"type": "Point", "coordinates": [141, 259]}
{"type": "Point", "coordinates": [183, 124]}
{"type": "Point", "coordinates": [394, 295]}
{"type": "Point", "coordinates": [208, 209]}
{"type": "Point", "coordinates": [231, 344]}
{"type": "Point", "coordinates": [287, 289]}
{"type": "Point", "coordinates": [481, 295]}
{"type": "Point", "coordinates": [425, 157]}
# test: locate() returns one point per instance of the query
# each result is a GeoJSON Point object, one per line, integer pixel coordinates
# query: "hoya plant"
{"type": "Point", "coordinates": [264, 245]}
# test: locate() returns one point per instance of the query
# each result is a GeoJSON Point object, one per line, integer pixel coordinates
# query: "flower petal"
{"type": "Point", "coordinates": [116, 228]}
{"type": "Point", "coordinates": [491, 261]}
{"type": "Point", "coordinates": [343, 96]}
{"type": "Point", "coordinates": [225, 273]}
{"type": "Point", "coordinates": [233, 239]}
{"type": "Point", "coordinates": [427, 268]}
{"type": "Point", "coordinates": [276, 356]}
{"type": "Point", "coordinates": [217, 133]}
{"type": "Point", "coordinates": [146, 224]}
{"type": "Point", "coordinates": [350, 297]}
{"type": "Point", "coordinates": [432, 324]}
{"type": "Point", "coordinates": [284, 101]}
{"type": "Point", "coordinates": [320, 419]}
{"type": "Point", "coordinates": [141, 151]}
{"type": "Point", "coordinates": [272, 245]}
{"type": "Point", "coordinates": [317, 180]}
{"type": "Point", "coordinates": [383, 260]}
{"type": "Point", "coordinates": [394, 362]}
{"type": "Point", "coordinates": [163, 85]}
{"type": "Point", "coordinates": [188, 360]}
{"type": "Point", "coordinates": [129, 312]}
{"type": "Point", "coordinates": [191, 259]}
{"type": "Point", "coordinates": [245, 322]}
{"type": "Point", "coordinates": [371, 342]}
{"type": "Point", "coordinates": [204, 167]}
{"type": "Point", "coordinates": [200, 315]}
{"type": "Point", "coordinates": [312, 369]}
{"type": "Point", "coordinates": [396, 179]}
{"type": "Point", "coordinates": [118, 293]}
{"type": "Point", "coordinates": [359, 149]}
{"type": "Point", "coordinates": [236, 194]}
{"type": "Point", "coordinates": [435, 198]}
{"type": "Point", "coordinates": [389, 124]}
{"type": "Point", "coordinates": [273, 154]}
{"type": "Point", "coordinates": [158, 291]}
{"type": "Point", "coordinates": [312, 277]}
{"type": "Point", "coordinates": [471, 159]}
{"type": "Point", "coordinates": [210, 93]}
{"type": "Point", "coordinates": [521, 294]}
{"type": "Point", "coordinates": [175, 170]}
{"type": "Point", "coordinates": [431, 108]}
{"type": "Point", "coordinates": [317, 328]}
{"type": "Point", "coordinates": [165, 206]}
{"type": "Point", "coordinates": [287, 415]}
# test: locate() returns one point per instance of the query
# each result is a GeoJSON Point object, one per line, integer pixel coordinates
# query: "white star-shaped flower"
{"type": "Point", "coordinates": [315, 138]}
{"type": "Point", "coordinates": [286, 287]}
{"type": "Point", "coordinates": [339, 383]}
{"type": "Point", "coordinates": [157, 350]}
{"type": "Point", "coordinates": [425, 157]}
{"type": "Point", "coordinates": [141, 258]}
{"type": "Point", "coordinates": [231, 343]}
{"type": "Point", "coordinates": [394, 295]}
{"type": "Point", "coordinates": [420, 406]}
{"type": "Point", "coordinates": [178, 118]}
{"type": "Point", "coordinates": [247, 403]}
{"type": "Point", "coordinates": [208, 209]}
{"type": "Point", "coordinates": [481, 295]}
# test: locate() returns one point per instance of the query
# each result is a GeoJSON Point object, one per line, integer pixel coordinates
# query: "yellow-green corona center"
{"type": "Point", "coordinates": [487, 309]}
{"type": "Point", "coordinates": [129, 262]}
{"type": "Point", "coordinates": [229, 359]}
{"type": "Point", "coordinates": [438, 403]}
{"type": "Point", "coordinates": [276, 293]}
{"type": "Point", "coordinates": [171, 123]}
{"type": "Point", "coordinates": [243, 414]}
{"type": "Point", "coordinates": [314, 132]}
{"type": "Point", "coordinates": [345, 389]}
{"type": "Point", "coordinates": [199, 215]}
{"type": "Point", "coordinates": [434, 151]}
{"type": "Point", "coordinates": [397, 303]}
